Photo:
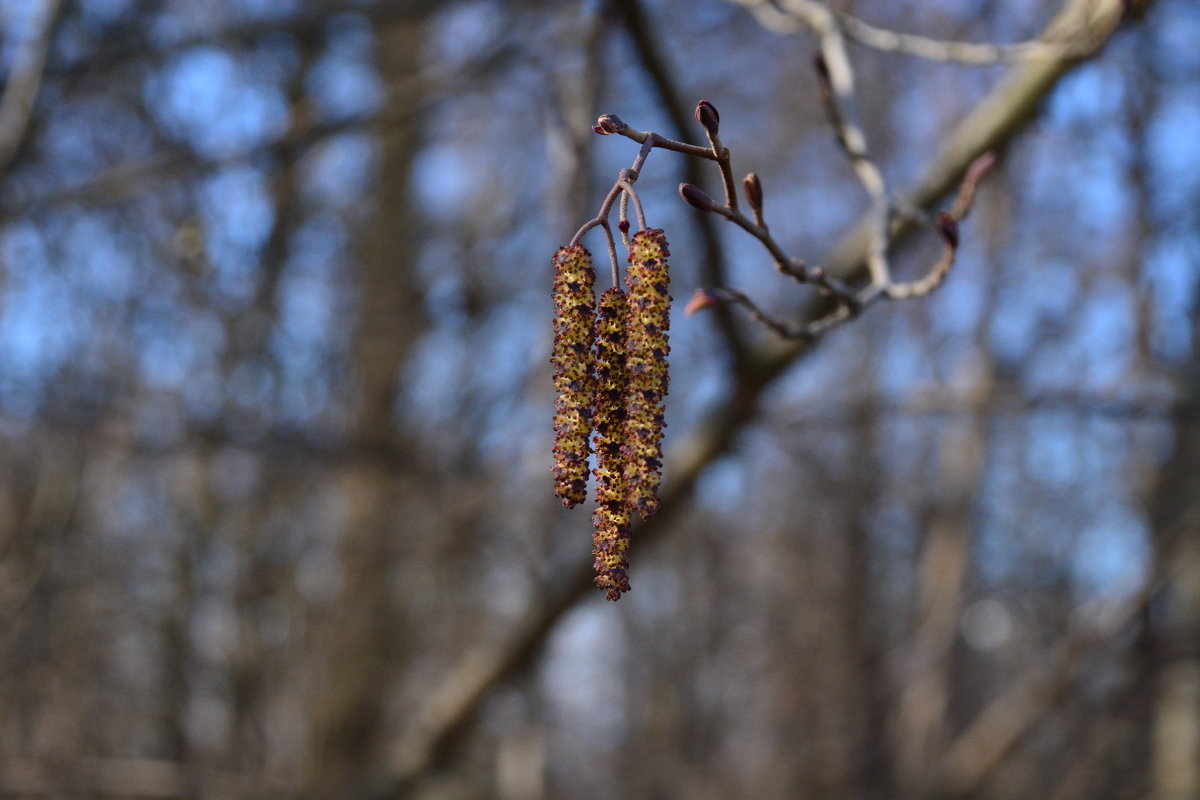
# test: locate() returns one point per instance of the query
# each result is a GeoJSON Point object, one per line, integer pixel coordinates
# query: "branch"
{"type": "Point", "coordinates": [309, 21]}
{"type": "Point", "coordinates": [990, 124]}
{"type": "Point", "coordinates": [836, 81]}
{"type": "Point", "coordinates": [24, 80]}
{"type": "Point", "coordinates": [125, 179]}
{"type": "Point", "coordinates": [808, 16]}
{"type": "Point", "coordinates": [452, 705]}
{"type": "Point", "coordinates": [962, 52]}
{"type": "Point", "coordinates": [654, 62]}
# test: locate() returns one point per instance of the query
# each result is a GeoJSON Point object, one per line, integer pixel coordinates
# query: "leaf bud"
{"type": "Point", "coordinates": [948, 228]}
{"type": "Point", "coordinates": [695, 197]}
{"type": "Point", "coordinates": [702, 299]}
{"type": "Point", "coordinates": [609, 123]}
{"type": "Point", "coordinates": [752, 188]}
{"type": "Point", "coordinates": [707, 116]}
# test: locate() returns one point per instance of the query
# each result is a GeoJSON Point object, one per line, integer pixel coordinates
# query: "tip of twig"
{"type": "Point", "coordinates": [980, 167]}
{"type": "Point", "coordinates": [707, 116]}
{"type": "Point", "coordinates": [695, 197]}
{"type": "Point", "coordinates": [702, 299]}
{"type": "Point", "coordinates": [609, 123]}
{"type": "Point", "coordinates": [752, 188]}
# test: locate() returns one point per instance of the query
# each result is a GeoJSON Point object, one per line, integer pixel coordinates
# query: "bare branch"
{"type": "Point", "coordinates": [24, 80]}
{"type": "Point", "coordinates": [961, 52]}
{"type": "Point", "coordinates": [801, 16]}
{"type": "Point", "coordinates": [994, 121]}
{"type": "Point", "coordinates": [653, 58]}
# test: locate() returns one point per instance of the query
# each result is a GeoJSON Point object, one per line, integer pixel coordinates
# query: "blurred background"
{"type": "Point", "coordinates": [276, 512]}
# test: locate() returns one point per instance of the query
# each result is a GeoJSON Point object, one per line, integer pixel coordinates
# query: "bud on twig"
{"type": "Point", "coordinates": [702, 299]}
{"type": "Point", "coordinates": [707, 116]}
{"type": "Point", "coordinates": [752, 188]}
{"type": "Point", "coordinates": [695, 197]}
{"type": "Point", "coordinates": [824, 81]}
{"type": "Point", "coordinates": [948, 228]}
{"type": "Point", "coordinates": [821, 67]}
{"type": "Point", "coordinates": [980, 167]}
{"type": "Point", "coordinates": [609, 123]}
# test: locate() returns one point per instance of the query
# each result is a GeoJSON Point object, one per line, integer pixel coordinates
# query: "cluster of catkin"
{"type": "Point", "coordinates": [610, 373]}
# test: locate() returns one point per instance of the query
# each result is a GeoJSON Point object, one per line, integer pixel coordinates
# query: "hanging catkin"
{"type": "Point", "coordinates": [574, 332]}
{"type": "Point", "coordinates": [612, 515]}
{"type": "Point", "coordinates": [647, 350]}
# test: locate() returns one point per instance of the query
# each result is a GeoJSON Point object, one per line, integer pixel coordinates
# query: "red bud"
{"type": "Point", "coordinates": [948, 228]}
{"type": "Point", "coordinates": [695, 197]}
{"type": "Point", "coordinates": [752, 188]}
{"type": "Point", "coordinates": [609, 123]}
{"type": "Point", "coordinates": [702, 299]}
{"type": "Point", "coordinates": [821, 67]}
{"type": "Point", "coordinates": [707, 116]}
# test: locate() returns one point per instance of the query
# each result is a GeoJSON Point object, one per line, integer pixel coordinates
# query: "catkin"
{"type": "Point", "coordinates": [646, 353]}
{"type": "Point", "coordinates": [611, 518]}
{"type": "Point", "coordinates": [574, 332]}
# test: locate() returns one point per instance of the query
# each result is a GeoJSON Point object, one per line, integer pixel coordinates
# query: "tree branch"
{"type": "Point", "coordinates": [997, 118]}
{"type": "Point", "coordinates": [24, 80]}
{"type": "Point", "coordinates": [712, 266]}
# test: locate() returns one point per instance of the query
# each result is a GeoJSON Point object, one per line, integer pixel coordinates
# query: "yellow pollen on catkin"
{"type": "Point", "coordinates": [611, 519]}
{"type": "Point", "coordinates": [646, 359]}
{"type": "Point", "coordinates": [574, 333]}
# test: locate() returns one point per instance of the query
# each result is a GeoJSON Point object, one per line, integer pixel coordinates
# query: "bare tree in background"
{"type": "Point", "coordinates": [275, 498]}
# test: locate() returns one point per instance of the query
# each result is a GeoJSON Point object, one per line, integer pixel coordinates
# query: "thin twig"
{"type": "Point", "coordinates": [637, 203]}
{"type": "Point", "coordinates": [947, 227]}
{"type": "Point", "coordinates": [610, 123]}
{"type": "Point", "coordinates": [623, 220]}
{"type": "Point", "coordinates": [623, 186]}
{"type": "Point", "coordinates": [646, 37]}
{"type": "Point", "coordinates": [613, 264]}
{"type": "Point", "coordinates": [836, 78]}
{"type": "Point", "coordinates": [804, 332]}
{"type": "Point", "coordinates": [601, 217]}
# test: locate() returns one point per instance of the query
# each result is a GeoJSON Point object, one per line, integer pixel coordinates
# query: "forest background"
{"type": "Point", "coordinates": [276, 511]}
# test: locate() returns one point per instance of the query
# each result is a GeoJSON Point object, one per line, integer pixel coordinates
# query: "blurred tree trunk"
{"type": "Point", "coordinates": [1172, 644]}
{"type": "Point", "coordinates": [361, 642]}
{"type": "Point", "coordinates": [923, 701]}
{"type": "Point", "coordinates": [48, 639]}
{"type": "Point", "coordinates": [1175, 515]}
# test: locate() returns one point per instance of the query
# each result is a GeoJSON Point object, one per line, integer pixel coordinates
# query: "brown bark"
{"type": "Point", "coordinates": [995, 120]}
{"type": "Point", "coordinates": [1175, 516]}
{"type": "Point", "coordinates": [364, 632]}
